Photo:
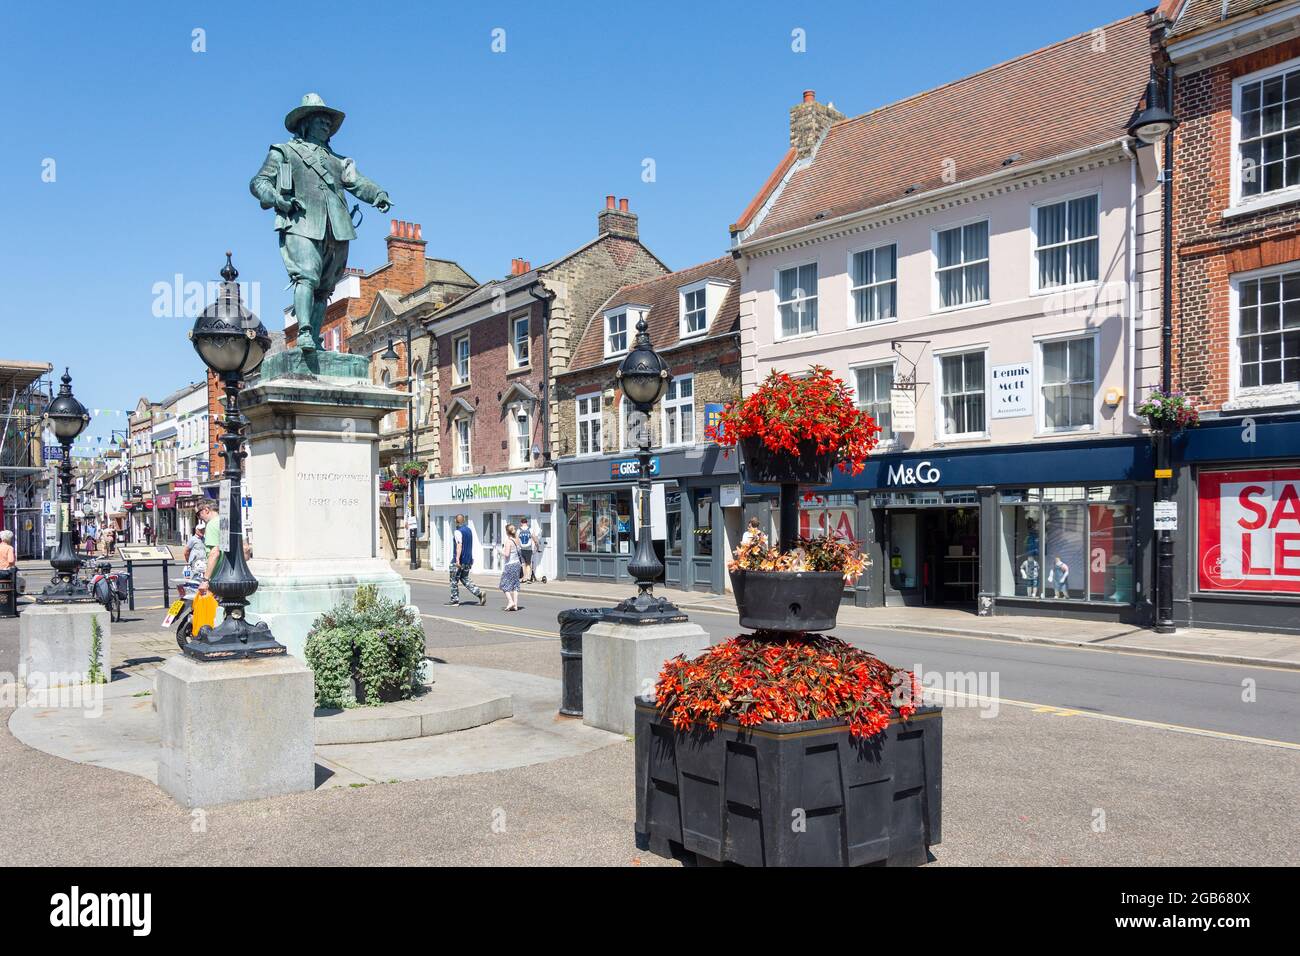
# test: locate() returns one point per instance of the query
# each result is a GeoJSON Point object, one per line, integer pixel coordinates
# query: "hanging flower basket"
{"type": "Point", "coordinates": [1169, 412]}
{"type": "Point", "coordinates": [412, 469]}
{"type": "Point", "coordinates": [764, 466]}
{"type": "Point", "coordinates": [794, 429]}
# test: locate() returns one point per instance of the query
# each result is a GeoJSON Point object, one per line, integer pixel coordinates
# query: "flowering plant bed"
{"type": "Point", "coordinates": [734, 765]}
{"type": "Point", "coordinates": [811, 554]}
{"type": "Point", "coordinates": [785, 677]}
{"type": "Point", "coordinates": [799, 417]}
{"type": "Point", "coordinates": [1169, 411]}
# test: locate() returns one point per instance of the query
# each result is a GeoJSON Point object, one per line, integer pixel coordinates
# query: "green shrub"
{"type": "Point", "coordinates": [379, 640]}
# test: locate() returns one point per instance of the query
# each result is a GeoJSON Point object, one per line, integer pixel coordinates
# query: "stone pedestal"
{"type": "Point", "coordinates": [311, 472]}
{"type": "Point", "coordinates": [54, 643]}
{"type": "Point", "coordinates": [622, 661]}
{"type": "Point", "coordinates": [235, 730]}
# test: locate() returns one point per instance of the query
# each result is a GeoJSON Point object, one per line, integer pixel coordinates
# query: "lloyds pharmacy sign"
{"type": "Point", "coordinates": [481, 492]}
{"type": "Point", "coordinates": [903, 474]}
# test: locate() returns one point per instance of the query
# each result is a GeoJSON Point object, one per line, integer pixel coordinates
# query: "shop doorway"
{"type": "Point", "coordinates": [933, 555]}
{"type": "Point", "coordinates": [491, 540]}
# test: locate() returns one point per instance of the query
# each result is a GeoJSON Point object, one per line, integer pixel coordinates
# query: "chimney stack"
{"type": "Point", "coordinates": [405, 256]}
{"type": "Point", "coordinates": [519, 267]}
{"type": "Point", "coordinates": [809, 121]}
{"type": "Point", "coordinates": [616, 221]}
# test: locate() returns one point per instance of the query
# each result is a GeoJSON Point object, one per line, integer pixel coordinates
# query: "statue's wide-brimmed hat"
{"type": "Point", "coordinates": [312, 103]}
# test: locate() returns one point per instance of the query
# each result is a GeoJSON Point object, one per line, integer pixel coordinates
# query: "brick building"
{"type": "Point", "coordinates": [495, 353]}
{"type": "Point", "coordinates": [696, 502]}
{"type": "Point", "coordinates": [1236, 317]}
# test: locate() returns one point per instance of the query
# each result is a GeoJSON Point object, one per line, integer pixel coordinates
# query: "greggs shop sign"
{"type": "Point", "coordinates": [1249, 529]}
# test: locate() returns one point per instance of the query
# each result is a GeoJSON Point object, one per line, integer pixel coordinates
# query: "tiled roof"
{"type": "Point", "coordinates": [661, 295]}
{"type": "Point", "coordinates": [1056, 100]}
{"type": "Point", "coordinates": [1193, 15]}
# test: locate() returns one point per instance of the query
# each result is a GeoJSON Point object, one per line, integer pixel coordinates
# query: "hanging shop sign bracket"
{"type": "Point", "coordinates": [905, 380]}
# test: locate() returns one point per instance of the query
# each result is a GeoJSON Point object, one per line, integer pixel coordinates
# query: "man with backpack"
{"type": "Point", "coordinates": [526, 548]}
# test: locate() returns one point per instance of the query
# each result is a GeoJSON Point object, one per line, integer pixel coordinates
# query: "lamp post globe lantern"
{"type": "Point", "coordinates": [644, 377]}
{"type": "Point", "coordinates": [67, 418]}
{"type": "Point", "coordinates": [1155, 121]}
{"type": "Point", "coordinates": [229, 338]}
{"type": "Point", "coordinates": [232, 342]}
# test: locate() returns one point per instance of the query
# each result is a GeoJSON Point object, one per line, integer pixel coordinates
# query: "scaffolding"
{"type": "Point", "coordinates": [26, 390]}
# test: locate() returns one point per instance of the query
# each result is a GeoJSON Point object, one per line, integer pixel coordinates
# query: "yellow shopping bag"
{"type": "Point", "coordinates": [205, 612]}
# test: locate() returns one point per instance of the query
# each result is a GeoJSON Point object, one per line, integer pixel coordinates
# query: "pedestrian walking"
{"type": "Point", "coordinates": [511, 567]}
{"type": "Point", "coordinates": [92, 539]}
{"type": "Point", "coordinates": [196, 552]}
{"type": "Point", "coordinates": [8, 556]}
{"type": "Point", "coordinates": [753, 535]}
{"type": "Point", "coordinates": [526, 548]}
{"type": "Point", "coordinates": [110, 542]}
{"type": "Point", "coordinates": [462, 560]}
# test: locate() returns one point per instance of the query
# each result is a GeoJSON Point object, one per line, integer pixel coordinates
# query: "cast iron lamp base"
{"type": "Point", "coordinates": [234, 639]}
{"type": "Point", "coordinates": [67, 591]}
{"type": "Point", "coordinates": [645, 608]}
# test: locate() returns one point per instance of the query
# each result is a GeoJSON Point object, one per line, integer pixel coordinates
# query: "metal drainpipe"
{"type": "Point", "coordinates": [1164, 457]}
{"type": "Point", "coordinates": [546, 299]}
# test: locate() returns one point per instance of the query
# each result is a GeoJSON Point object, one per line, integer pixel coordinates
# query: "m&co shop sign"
{"type": "Point", "coordinates": [1250, 530]}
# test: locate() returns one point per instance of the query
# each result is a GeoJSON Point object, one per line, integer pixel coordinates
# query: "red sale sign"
{"type": "Point", "coordinates": [1250, 530]}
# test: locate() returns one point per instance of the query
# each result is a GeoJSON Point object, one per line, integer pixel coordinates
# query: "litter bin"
{"type": "Point", "coordinates": [573, 624]}
{"type": "Point", "coordinates": [9, 594]}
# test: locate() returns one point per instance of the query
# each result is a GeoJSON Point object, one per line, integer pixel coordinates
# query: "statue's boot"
{"type": "Point", "coordinates": [304, 307]}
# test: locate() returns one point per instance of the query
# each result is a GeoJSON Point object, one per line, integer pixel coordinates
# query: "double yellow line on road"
{"type": "Point", "coordinates": [532, 632]}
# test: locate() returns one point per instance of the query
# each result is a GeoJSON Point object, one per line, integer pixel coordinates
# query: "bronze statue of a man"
{"type": "Point", "coordinates": [305, 181]}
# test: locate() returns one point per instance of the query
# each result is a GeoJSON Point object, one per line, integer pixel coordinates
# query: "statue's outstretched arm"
{"type": "Point", "coordinates": [367, 190]}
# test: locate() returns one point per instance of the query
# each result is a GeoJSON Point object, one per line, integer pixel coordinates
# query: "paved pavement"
{"type": "Point", "coordinates": [1077, 764]}
{"type": "Point", "coordinates": [1024, 788]}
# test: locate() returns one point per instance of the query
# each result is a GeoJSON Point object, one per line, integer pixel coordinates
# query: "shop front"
{"type": "Point", "coordinates": [1059, 529]}
{"type": "Point", "coordinates": [165, 512]}
{"type": "Point", "coordinates": [489, 503]}
{"type": "Point", "coordinates": [695, 516]}
{"type": "Point", "coordinates": [1237, 541]}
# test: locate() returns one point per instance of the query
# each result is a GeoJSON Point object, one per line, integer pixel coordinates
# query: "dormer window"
{"type": "Point", "coordinates": [698, 306]}
{"type": "Point", "coordinates": [693, 309]}
{"type": "Point", "coordinates": [615, 333]}
{"type": "Point", "coordinates": [620, 324]}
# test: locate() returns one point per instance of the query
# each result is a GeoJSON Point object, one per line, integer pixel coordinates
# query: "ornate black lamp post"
{"type": "Point", "coordinates": [67, 418]}
{"type": "Point", "coordinates": [644, 378]}
{"type": "Point", "coordinates": [232, 342]}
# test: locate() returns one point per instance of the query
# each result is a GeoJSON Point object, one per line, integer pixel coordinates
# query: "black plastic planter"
{"type": "Point", "coordinates": [762, 466]}
{"type": "Point", "coordinates": [801, 794]}
{"type": "Point", "coordinates": [787, 600]}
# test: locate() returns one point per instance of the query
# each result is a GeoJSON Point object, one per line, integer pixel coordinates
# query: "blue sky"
{"type": "Point", "coordinates": [497, 154]}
